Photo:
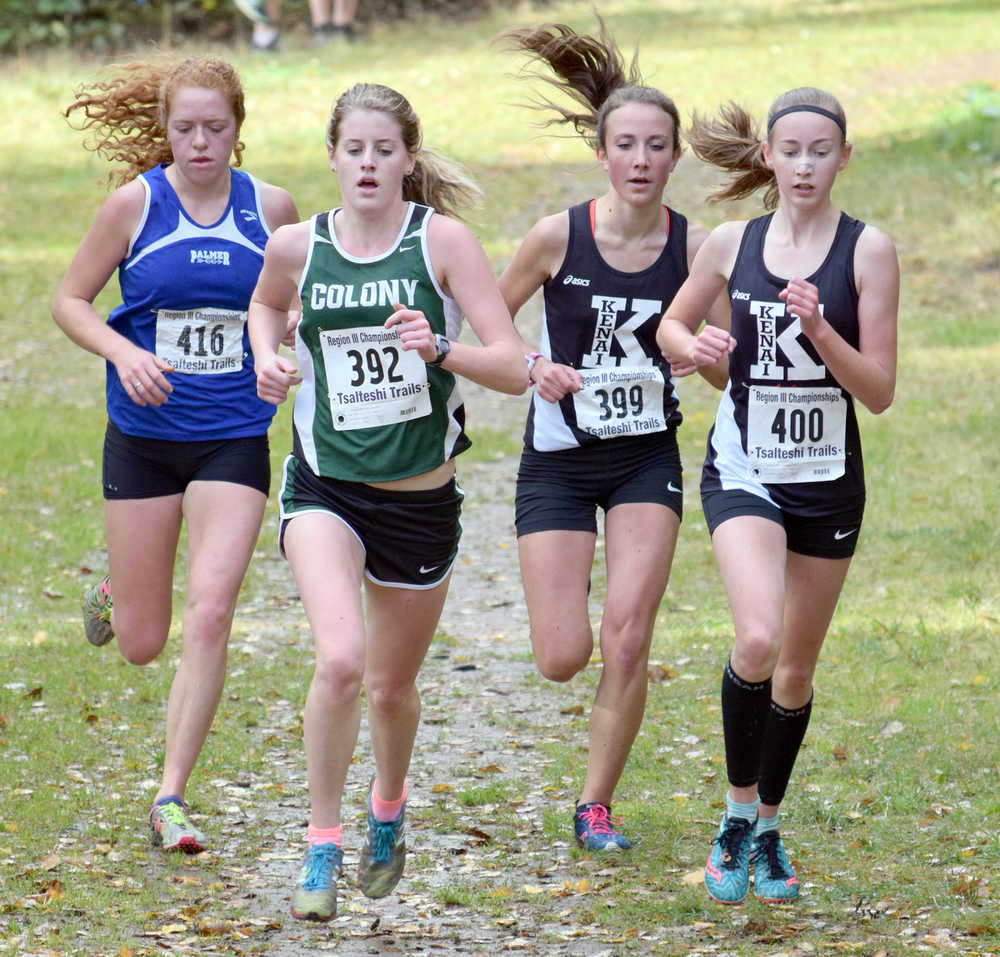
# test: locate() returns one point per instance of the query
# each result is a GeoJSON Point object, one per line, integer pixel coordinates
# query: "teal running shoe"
{"type": "Point", "coordinates": [384, 854]}
{"type": "Point", "coordinates": [595, 828]}
{"type": "Point", "coordinates": [774, 879]}
{"type": "Point", "coordinates": [171, 829]}
{"type": "Point", "coordinates": [97, 613]}
{"type": "Point", "coordinates": [315, 894]}
{"type": "Point", "coordinates": [254, 10]}
{"type": "Point", "coordinates": [727, 871]}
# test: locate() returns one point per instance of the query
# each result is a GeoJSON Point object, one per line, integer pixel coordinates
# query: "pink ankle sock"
{"type": "Point", "coordinates": [325, 835]}
{"type": "Point", "coordinates": [387, 810]}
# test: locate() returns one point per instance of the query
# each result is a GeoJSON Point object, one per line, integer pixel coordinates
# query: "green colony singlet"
{"type": "Point", "coordinates": [368, 410]}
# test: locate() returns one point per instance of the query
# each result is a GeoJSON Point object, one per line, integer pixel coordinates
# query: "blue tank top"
{"type": "Point", "coordinates": [185, 292]}
{"type": "Point", "coordinates": [603, 322]}
{"type": "Point", "coordinates": [785, 430]}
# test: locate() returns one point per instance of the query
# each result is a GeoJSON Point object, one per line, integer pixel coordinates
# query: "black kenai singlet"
{"type": "Point", "coordinates": [603, 322]}
{"type": "Point", "coordinates": [785, 429]}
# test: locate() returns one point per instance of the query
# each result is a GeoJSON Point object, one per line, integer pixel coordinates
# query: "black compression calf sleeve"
{"type": "Point", "coordinates": [783, 736]}
{"type": "Point", "coordinates": [744, 717]}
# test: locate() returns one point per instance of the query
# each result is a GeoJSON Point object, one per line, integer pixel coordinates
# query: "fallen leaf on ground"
{"type": "Point", "coordinates": [890, 728]}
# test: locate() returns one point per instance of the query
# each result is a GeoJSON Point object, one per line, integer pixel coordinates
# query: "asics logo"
{"type": "Point", "coordinates": [839, 535]}
{"type": "Point", "coordinates": [575, 281]}
{"type": "Point", "coordinates": [740, 295]}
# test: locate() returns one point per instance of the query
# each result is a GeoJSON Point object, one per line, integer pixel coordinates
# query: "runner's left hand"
{"type": "Point", "coordinates": [801, 298]}
{"type": "Point", "coordinates": [414, 331]}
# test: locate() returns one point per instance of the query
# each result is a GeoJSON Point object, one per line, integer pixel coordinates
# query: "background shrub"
{"type": "Point", "coordinates": [115, 25]}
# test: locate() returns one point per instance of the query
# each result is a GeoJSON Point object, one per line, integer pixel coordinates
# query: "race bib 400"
{"type": "Point", "coordinates": [796, 434]}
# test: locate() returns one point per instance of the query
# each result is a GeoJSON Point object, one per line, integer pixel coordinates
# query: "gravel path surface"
{"type": "Point", "coordinates": [483, 705]}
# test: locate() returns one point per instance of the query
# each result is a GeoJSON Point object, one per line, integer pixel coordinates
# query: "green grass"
{"type": "Point", "coordinates": [894, 809]}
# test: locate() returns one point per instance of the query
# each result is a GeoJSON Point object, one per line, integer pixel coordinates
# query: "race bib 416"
{"type": "Point", "coordinates": [201, 341]}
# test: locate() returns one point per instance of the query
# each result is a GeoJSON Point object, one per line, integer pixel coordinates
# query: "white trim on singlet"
{"type": "Point", "coordinates": [142, 219]}
{"type": "Point", "coordinates": [728, 457]}
{"type": "Point", "coordinates": [225, 230]}
{"type": "Point", "coordinates": [304, 404]}
{"type": "Point", "coordinates": [259, 202]}
{"type": "Point", "coordinates": [550, 433]}
{"type": "Point", "coordinates": [362, 260]}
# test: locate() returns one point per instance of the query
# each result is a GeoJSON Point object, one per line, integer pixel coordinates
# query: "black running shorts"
{"type": "Point", "coordinates": [561, 490]}
{"type": "Point", "coordinates": [410, 538]}
{"type": "Point", "coordinates": [137, 467]}
{"type": "Point", "coordinates": [825, 536]}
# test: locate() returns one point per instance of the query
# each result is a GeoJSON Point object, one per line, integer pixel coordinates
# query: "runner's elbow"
{"type": "Point", "coordinates": [881, 400]}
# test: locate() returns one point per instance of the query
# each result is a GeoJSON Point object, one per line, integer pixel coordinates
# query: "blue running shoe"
{"type": "Point", "coordinates": [595, 828]}
{"type": "Point", "coordinates": [315, 894]}
{"type": "Point", "coordinates": [773, 877]}
{"type": "Point", "coordinates": [384, 854]}
{"type": "Point", "coordinates": [727, 871]}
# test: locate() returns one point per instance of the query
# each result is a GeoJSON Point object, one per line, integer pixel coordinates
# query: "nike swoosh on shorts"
{"type": "Point", "coordinates": [838, 535]}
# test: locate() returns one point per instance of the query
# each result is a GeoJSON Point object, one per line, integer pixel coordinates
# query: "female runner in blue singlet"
{"type": "Point", "coordinates": [186, 436]}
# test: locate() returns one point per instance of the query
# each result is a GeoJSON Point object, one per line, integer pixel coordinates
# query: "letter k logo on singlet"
{"type": "Point", "coordinates": [769, 343]}
{"type": "Point", "coordinates": [607, 330]}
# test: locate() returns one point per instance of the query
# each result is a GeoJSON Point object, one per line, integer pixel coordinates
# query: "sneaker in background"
{"type": "Point", "coordinates": [265, 38]}
{"type": "Point", "coordinates": [97, 612]}
{"type": "Point", "coordinates": [171, 829]}
{"type": "Point", "coordinates": [384, 854]}
{"type": "Point", "coordinates": [595, 828]}
{"type": "Point", "coordinates": [774, 879]}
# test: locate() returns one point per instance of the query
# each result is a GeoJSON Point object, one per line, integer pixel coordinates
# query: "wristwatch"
{"type": "Point", "coordinates": [443, 348]}
{"type": "Point", "coordinates": [531, 358]}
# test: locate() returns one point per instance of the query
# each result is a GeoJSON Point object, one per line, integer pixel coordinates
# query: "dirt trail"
{"type": "Point", "coordinates": [484, 704]}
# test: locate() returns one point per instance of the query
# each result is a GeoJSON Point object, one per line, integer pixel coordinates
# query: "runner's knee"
{"type": "Point", "coordinates": [141, 645]}
{"type": "Point", "coordinates": [560, 661]}
{"type": "Point", "coordinates": [338, 675]}
{"type": "Point", "coordinates": [142, 632]}
{"type": "Point", "coordinates": [625, 650]}
{"type": "Point", "coordinates": [208, 618]}
{"type": "Point", "coordinates": [756, 653]}
{"type": "Point", "coordinates": [387, 696]}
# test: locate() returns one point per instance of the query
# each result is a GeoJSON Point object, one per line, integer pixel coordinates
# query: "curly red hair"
{"type": "Point", "coordinates": [127, 113]}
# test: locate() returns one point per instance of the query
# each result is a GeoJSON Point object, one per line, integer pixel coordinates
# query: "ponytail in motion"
{"type": "Point", "coordinates": [591, 71]}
